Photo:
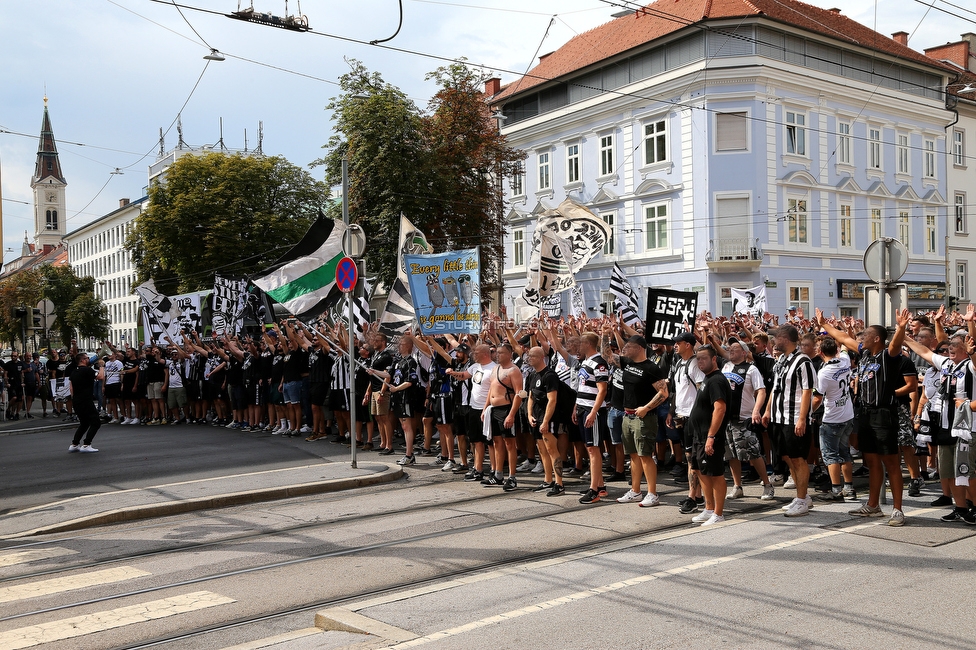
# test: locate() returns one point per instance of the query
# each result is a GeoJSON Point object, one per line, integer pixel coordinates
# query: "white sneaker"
{"type": "Point", "coordinates": [538, 469]}
{"type": "Point", "coordinates": [776, 479]}
{"type": "Point", "coordinates": [735, 492]}
{"type": "Point", "coordinates": [808, 501]}
{"type": "Point", "coordinates": [714, 519]}
{"type": "Point", "coordinates": [74, 449]}
{"type": "Point", "coordinates": [407, 460]}
{"type": "Point", "coordinates": [631, 497]}
{"type": "Point", "coordinates": [448, 466]}
{"type": "Point", "coordinates": [525, 466]}
{"type": "Point", "coordinates": [790, 483]}
{"type": "Point", "coordinates": [790, 504]}
{"type": "Point", "coordinates": [798, 508]}
{"type": "Point", "coordinates": [769, 493]}
{"type": "Point", "coordinates": [650, 500]}
{"type": "Point", "coordinates": [305, 429]}
{"type": "Point", "coordinates": [278, 431]}
{"type": "Point", "coordinates": [133, 420]}
{"type": "Point", "coordinates": [114, 421]}
{"type": "Point", "coordinates": [703, 516]}
{"type": "Point", "coordinates": [87, 449]}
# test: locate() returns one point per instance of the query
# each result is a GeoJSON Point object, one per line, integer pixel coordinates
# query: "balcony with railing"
{"type": "Point", "coordinates": [734, 255]}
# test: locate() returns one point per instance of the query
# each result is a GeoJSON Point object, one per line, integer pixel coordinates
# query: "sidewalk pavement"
{"type": "Point", "coordinates": [204, 494]}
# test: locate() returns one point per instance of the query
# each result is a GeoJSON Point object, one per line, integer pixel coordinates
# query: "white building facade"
{"type": "Point", "coordinates": [98, 250]}
{"type": "Point", "coordinates": [769, 148]}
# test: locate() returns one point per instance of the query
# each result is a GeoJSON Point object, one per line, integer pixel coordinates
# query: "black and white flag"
{"type": "Point", "coordinates": [624, 297]}
{"type": "Point", "coordinates": [159, 315]}
{"type": "Point", "coordinates": [668, 312]}
{"type": "Point", "coordinates": [228, 306]}
{"type": "Point", "coordinates": [398, 315]}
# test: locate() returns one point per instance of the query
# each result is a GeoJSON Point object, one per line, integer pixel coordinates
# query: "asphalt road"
{"type": "Point", "coordinates": [35, 468]}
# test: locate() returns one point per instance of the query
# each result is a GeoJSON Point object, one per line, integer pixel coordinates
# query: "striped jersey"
{"type": "Point", "coordinates": [340, 371]}
{"type": "Point", "coordinates": [591, 372]}
{"type": "Point", "coordinates": [792, 374]}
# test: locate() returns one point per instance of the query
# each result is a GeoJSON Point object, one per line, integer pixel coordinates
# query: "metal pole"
{"type": "Point", "coordinates": [351, 324]}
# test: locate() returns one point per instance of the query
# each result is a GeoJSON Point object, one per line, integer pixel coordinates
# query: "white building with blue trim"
{"type": "Point", "coordinates": [733, 146]}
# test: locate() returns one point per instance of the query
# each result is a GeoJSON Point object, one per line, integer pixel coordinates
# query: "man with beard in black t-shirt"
{"type": "Point", "coordinates": [707, 424]}
{"type": "Point", "coordinates": [82, 387]}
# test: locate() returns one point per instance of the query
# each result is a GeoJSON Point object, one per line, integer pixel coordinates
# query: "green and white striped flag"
{"type": "Point", "coordinates": [305, 276]}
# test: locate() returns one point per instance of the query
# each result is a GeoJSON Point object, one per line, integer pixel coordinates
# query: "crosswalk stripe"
{"type": "Point", "coordinates": [23, 557]}
{"type": "Point", "coordinates": [69, 628]}
{"type": "Point", "coordinates": [69, 583]}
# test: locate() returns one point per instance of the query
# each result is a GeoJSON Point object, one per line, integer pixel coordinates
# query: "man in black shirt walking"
{"type": "Point", "coordinates": [707, 425]}
{"type": "Point", "coordinates": [82, 387]}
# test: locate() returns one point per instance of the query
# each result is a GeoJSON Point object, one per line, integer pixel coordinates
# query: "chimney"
{"type": "Point", "coordinates": [543, 57]}
{"type": "Point", "coordinates": [958, 53]}
{"type": "Point", "coordinates": [834, 10]}
{"type": "Point", "coordinates": [493, 86]}
{"type": "Point", "coordinates": [901, 38]}
{"type": "Point", "coordinates": [123, 202]}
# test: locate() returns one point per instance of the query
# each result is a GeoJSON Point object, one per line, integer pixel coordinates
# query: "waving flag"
{"type": "Point", "coordinates": [624, 296]}
{"type": "Point", "coordinates": [303, 278]}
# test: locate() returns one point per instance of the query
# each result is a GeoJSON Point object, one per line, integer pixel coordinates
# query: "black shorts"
{"type": "Point", "coordinates": [113, 391]}
{"type": "Point", "coordinates": [256, 394]}
{"type": "Point", "coordinates": [498, 416]}
{"type": "Point", "coordinates": [213, 391]}
{"type": "Point", "coordinates": [404, 407]}
{"type": "Point", "coordinates": [193, 391]}
{"type": "Point", "coordinates": [238, 397]}
{"type": "Point", "coordinates": [15, 391]}
{"type": "Point", "coordinates": [129, 391]}
{"type": "Point", "coordinates": [318, 393]}
{"type": "Point", "coordinates": [788, 443]}
{"type": "Point", "coordinates": [599, 431]}
{"type": "Point", "coordinates": [713, 465]}
{"type": "Point", "coordinates": [475, 427]}
{"type": "Point", "coordinates": [441, 408]}
{"type": "Point", "coordinates": [877, 431]}
{"type": "Point", "coordinates": [339, 400]}
{"type": "Point", "coordinates": [30, 389]}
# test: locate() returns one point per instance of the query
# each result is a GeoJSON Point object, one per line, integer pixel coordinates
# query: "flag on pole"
{"type": "Point", "coordinates": [624, 296]}
{"type": "Point", "coordinates": [303, 280]}
{"type": "Point", "coordinates": [577, 302]}
{"type": "Point", "coordinates": [158, 310]}
{"type": "Point", "coordinates": [749, 301]}
{"type": "Point", "coordinates": [398, 315]}
{"type": "Point", "coordinates": [412, 242]}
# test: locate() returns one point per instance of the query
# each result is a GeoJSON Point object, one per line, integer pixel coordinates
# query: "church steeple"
{"type": "Point", "coordinates": [48, 164]}
{"type": "Point", "coordinates": [48, 184]}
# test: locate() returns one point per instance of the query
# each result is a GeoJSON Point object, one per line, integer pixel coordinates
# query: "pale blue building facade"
{"type": "Point", "coordinates": [751, 153]}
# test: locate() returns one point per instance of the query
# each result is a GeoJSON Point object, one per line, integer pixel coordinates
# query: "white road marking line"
{"type": "Point", "coordinates": [69, 583]}
{"type": "Point", "coordinates": [596, 591]}
{"type": "Point", "coordinates": [23, 557]}
{"type": "Point", "coordinates": [69, 628]}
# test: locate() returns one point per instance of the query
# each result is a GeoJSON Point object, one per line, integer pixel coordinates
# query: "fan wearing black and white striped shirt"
{"type": "Point", "coordinates": [788, 411]}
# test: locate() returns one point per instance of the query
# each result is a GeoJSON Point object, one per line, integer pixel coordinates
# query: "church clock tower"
{"type": "Point", "coordinates": [48, 184]}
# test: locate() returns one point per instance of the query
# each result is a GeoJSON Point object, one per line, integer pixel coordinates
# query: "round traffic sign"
{"type": "Point", "coordinates": [347, 275]}
{"type": "Point", "coordinates": [883, 257]}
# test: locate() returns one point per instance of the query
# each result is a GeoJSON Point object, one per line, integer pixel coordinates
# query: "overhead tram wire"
{"type": "Point", "coordinates": [671, 102]}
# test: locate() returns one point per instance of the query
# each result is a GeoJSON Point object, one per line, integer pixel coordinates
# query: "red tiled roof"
{"type": "Point", "coordinates": [669, 16]}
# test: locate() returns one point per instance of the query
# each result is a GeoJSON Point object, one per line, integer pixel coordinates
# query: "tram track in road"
{"type": "Point", "coordinates": [245, 537]}
{"type": "Point", "coordinates": [610, 545]}
{"type": "Point", "coordinates": [347, 552]}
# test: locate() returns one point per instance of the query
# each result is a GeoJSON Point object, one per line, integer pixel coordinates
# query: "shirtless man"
{"type": "Point", "coordinates": [504, 399]}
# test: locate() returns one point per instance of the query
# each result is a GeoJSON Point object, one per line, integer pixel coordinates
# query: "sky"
{"type": "Point", "coordinates": [116, 71]}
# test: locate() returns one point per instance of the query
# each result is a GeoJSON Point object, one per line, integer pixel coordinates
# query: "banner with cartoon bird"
{"type": "Point", "coordinates": [445, 291]}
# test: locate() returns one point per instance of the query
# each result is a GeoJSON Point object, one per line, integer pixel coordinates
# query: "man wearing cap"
{"type": "Point", "coordinates": [686, 378]}
{"type": "Point", "coordinates": [645, 388]}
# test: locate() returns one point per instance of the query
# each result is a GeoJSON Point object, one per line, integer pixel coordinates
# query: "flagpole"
{"type": "Point", "coordinates": [351, 324]}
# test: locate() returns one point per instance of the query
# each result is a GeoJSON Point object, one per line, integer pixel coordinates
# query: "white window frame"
{"type": "Point", "coordinates": [931, 234]}
{"type": "Point", "coordinates": [875, 148]}
{"type": "Point", "coordinates": [844, 143]}
{"type": "Point", "coordinates": [905, 227]}
{"type": "Point", "coordinates": [929, 166]}
{"type": "Point", "coordinates": [518, 248]}
{"type": "Point", "coordinates": [610, 247]}
{"type": "Point", "coordinates": [958, 147]}
{"type": "Point", "coordinates": [574, 165]}
{"type": "Point", "coordinates": [903, 154]}
{"type": "Point", "coordinates": [607, 155]}
{"type": "Point", "coordinates": [798, 220]}
{"type": "Point", "coordinates": [962, 280]}
{"type": "Point", "coordinates": [656, 131]}
{"type": "Point", "coordinates": [845, 230]}
{"type": "Point", "coordinates": [961, 218]}
{"type": "Point", "coordinates": [544, 166]}
{"type": "Point", "coordinates": [875, 223]}
{"type": "Point", "coordinates": [517, 184]}
{"type": "Point", "coordinates": [800, 303]}
{"type": "Point", "coordinates": [655, 220]}
{"type": "Point", "coordinates": [742, 115]}
{"type": "Point", "coordinates": [796, 133]}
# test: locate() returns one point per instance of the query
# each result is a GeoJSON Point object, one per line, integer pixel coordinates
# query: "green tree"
{"type": "Point", "coordinates": [88, 314]}
{"type": "Point", "coordinates": [439, 167]}
{"type": "Point", "coordinates": [380, 130]}
{"type": "Point", "coordinates": [21, 291]}
{"type": "Point", "coordinates": [62, 286]}
{"type": "Point", "coordinates": [230, 214]}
